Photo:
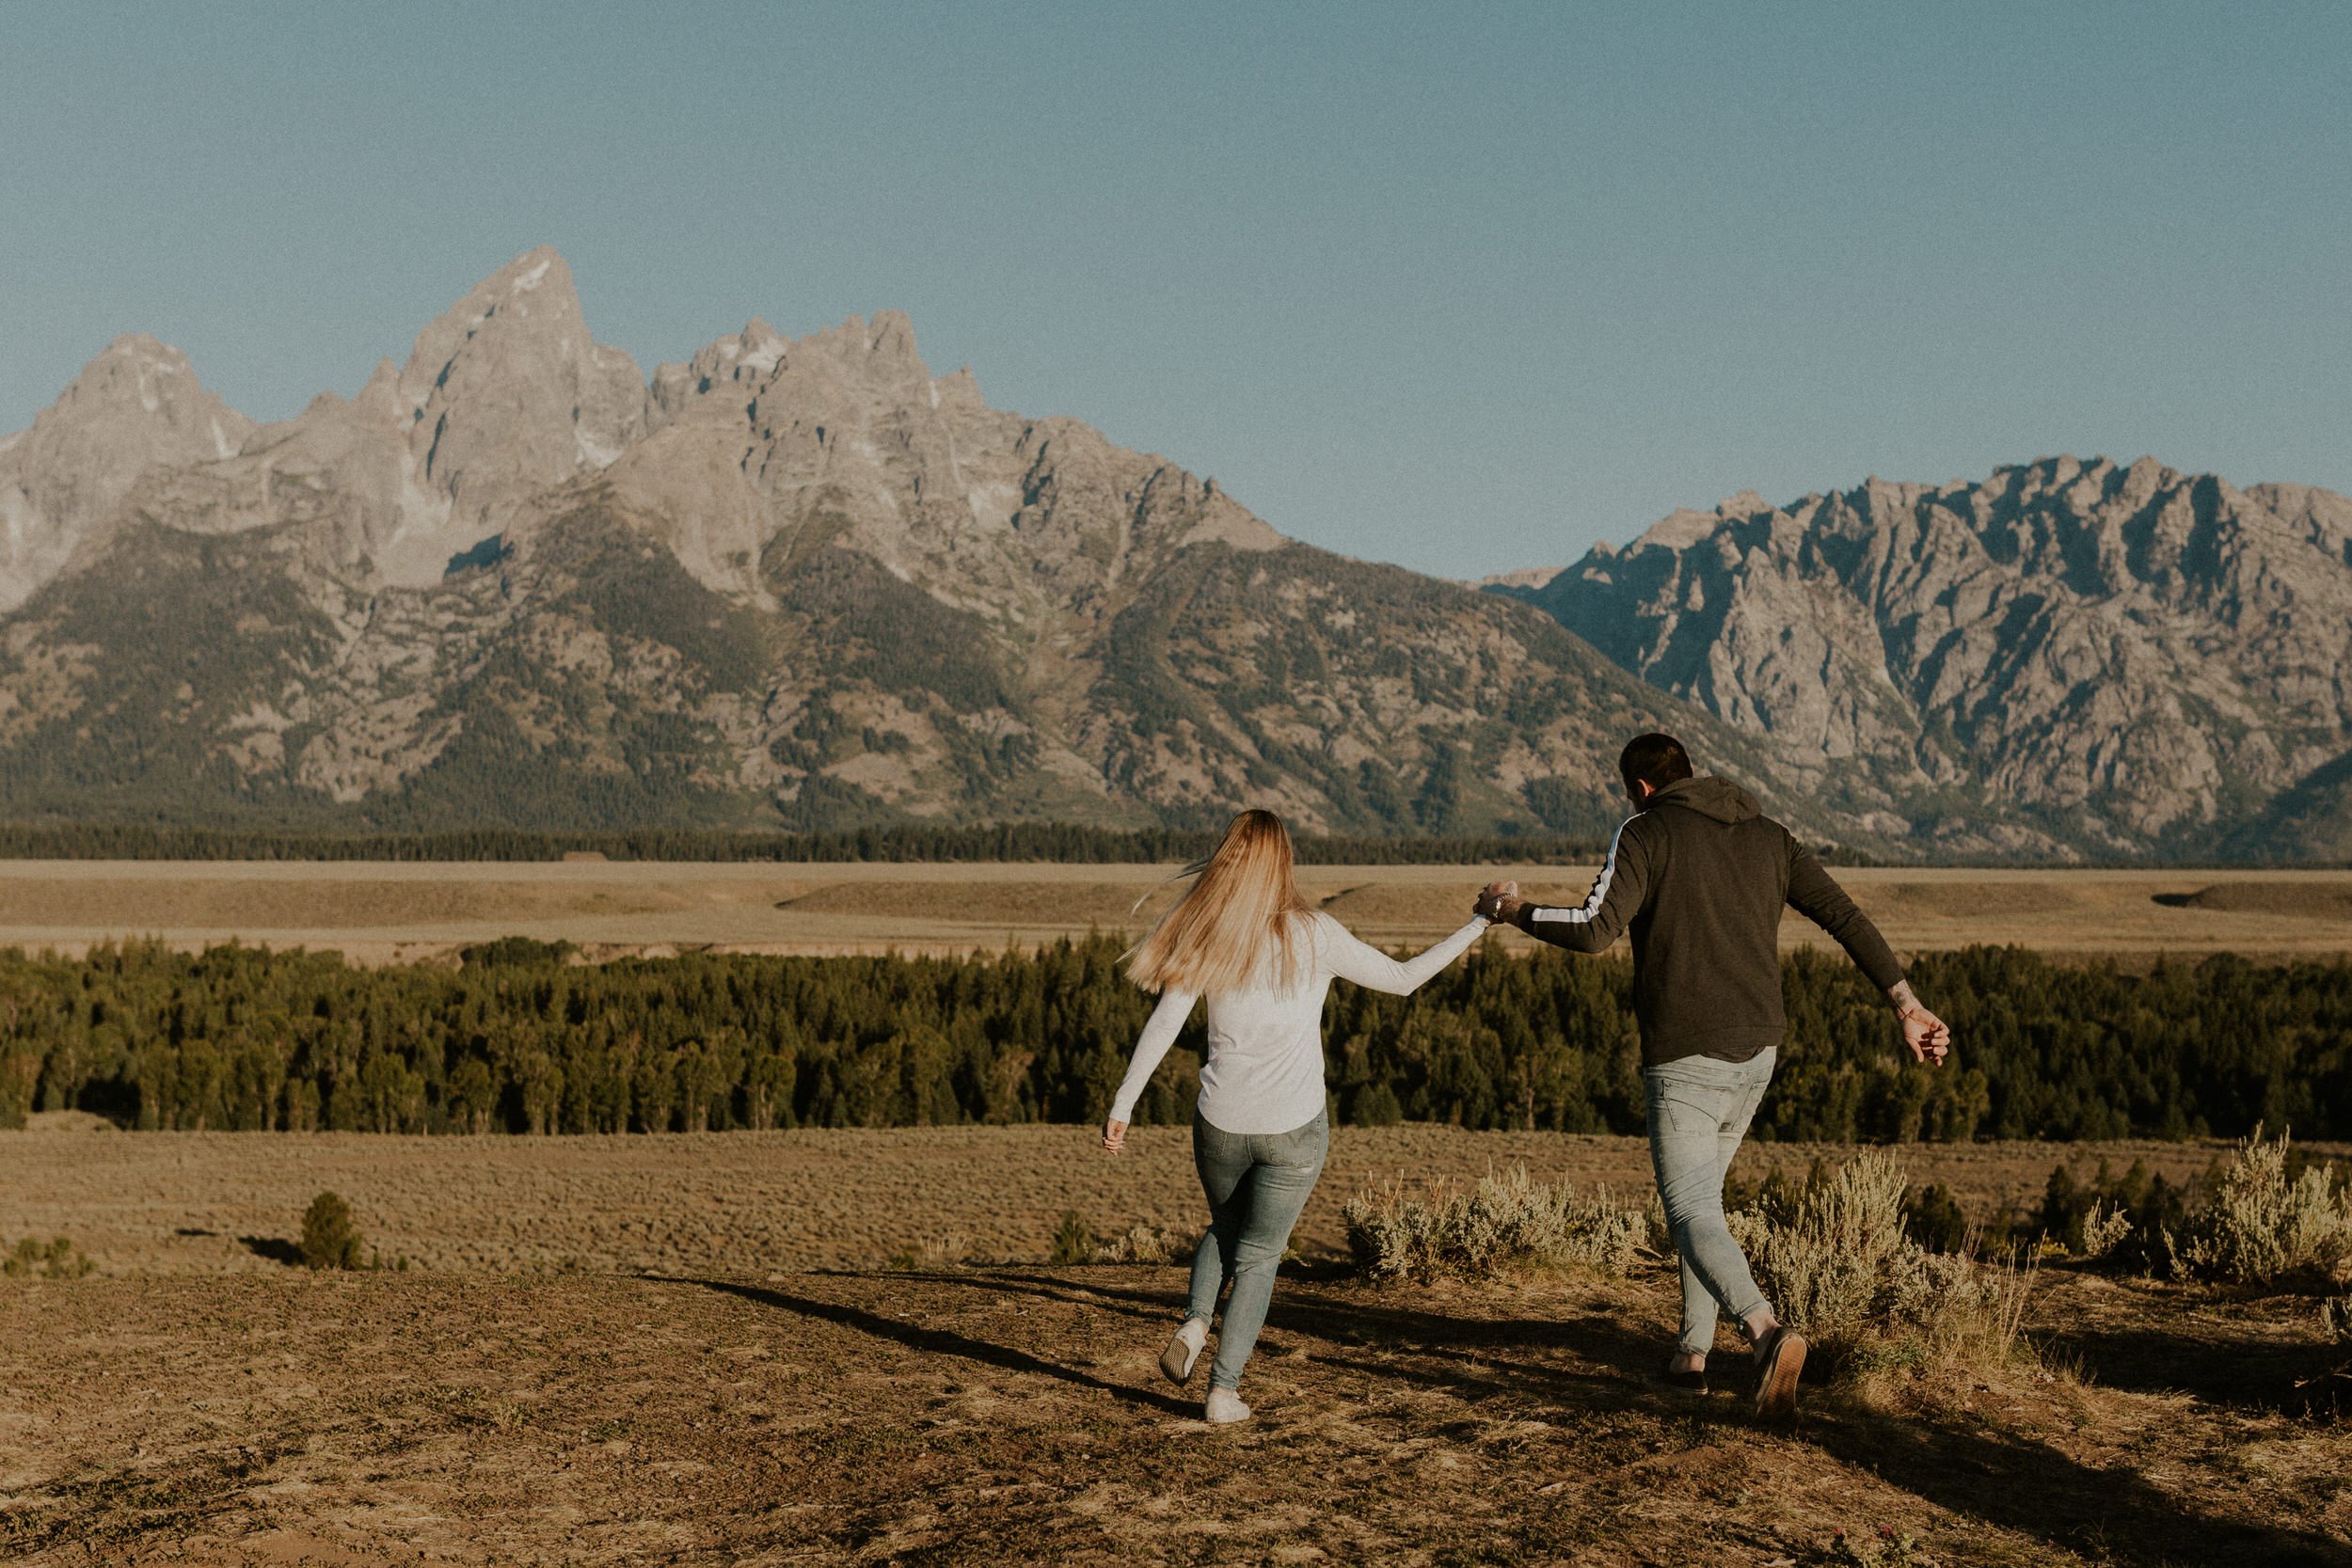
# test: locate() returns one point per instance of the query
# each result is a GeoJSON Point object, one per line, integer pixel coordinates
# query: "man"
{"type": "Point", "coordinates": [1699, 875]}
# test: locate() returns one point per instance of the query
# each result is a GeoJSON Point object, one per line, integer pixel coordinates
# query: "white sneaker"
{"type": "Point", "coordinates": [1224, 1408]}
{"type": "Point", "coordinates": [1183, 1349]}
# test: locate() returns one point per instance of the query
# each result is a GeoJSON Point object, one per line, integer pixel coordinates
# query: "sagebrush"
{"type": "Point", "coordinates": [949, 1250]}
{"type": "Point", "coordinates": [2335, 1318]}
{"type": "Point", "coordinates": [1146, 1244]}
{"type": "Point", "coordinates": [2267, 1223]}
{"type": "Point", "coordinates": [1508, 1220]}
{"type": "Point", "coordinates": [1833, 1259]}
{"type": "Point", "coordinates": [58, 1258]}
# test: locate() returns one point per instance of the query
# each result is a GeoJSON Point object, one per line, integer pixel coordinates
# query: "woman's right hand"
{"type": "Point", "coordinates": [1115, 1135]}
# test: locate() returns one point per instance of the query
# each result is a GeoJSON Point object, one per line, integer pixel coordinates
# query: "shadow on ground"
{"type": "Point", "coordinates": [1591, 1360]}
{"type": "Point", "coordinates": [275, 1248]}
{"type": "Point", "coordinates": [2288, 1377]}
{"type": "Point", "coordinates": [933, 1341]}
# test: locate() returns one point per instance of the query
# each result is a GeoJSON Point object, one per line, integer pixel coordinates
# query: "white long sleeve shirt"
{"type": "Point", "coordinates": [1264, 1067]}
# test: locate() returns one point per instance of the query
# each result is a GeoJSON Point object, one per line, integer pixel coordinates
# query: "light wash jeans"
{"type": "Point", "coordinates": [1256, 1183]}
{"type": "Point", "coordinates": [1699, 1110]}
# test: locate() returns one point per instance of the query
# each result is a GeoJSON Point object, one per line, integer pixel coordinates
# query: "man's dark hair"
{"type": "Point", "coordinates": [1657, 760]}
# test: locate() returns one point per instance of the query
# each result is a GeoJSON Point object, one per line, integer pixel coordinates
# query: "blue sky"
{"type": "Point", "coordinates": [1466, 287]}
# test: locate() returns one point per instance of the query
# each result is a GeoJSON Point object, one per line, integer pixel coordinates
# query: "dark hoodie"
{"type": "Point", "coordinates": [1700, 876]}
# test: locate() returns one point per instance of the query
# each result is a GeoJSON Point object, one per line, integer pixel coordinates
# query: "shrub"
{"type": "Point", "coordinates": [330, 1239]}
{"type": "Point", "coordinates": [2265, 1224]}
{"type": "Point", "coordinates": [2130, 1219]}
{"type": "Point", "coordinates": [2335, 1316]}
{"type": "Point", "coordinates": [58, 1260]}
{"type": "Point", "coordinates": [951, 1251]}
{"type": "Point", "coordinates": [1833, 1259]}
{"type": "Point", "coordinates": [2106, 1228]}
{"type": "Point", "coordinates": [1145, 1243]}
{"type": "Point", "coordinates": [1822, 1255]}
{"type": "Point", "coordinates": [1505, 1221]}
{"type": "Point", "coordinates": [1073, 1242]}
{"type": "Point", "coordinates": [1953, 1310]}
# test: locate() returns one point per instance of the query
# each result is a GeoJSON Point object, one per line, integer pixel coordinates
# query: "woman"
{"type": "Point", "coordinates": [1245, 940]}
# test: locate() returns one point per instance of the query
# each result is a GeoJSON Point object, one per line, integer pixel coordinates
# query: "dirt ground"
{"type": "Point", "coordinates": [1015, 1415]}
{"type": "Point", "coordinates": [387, 913]}
{"type": "Point", "coordinates": [630, 1350]}
{"type": "Point", "coordinates": [230, 1202]}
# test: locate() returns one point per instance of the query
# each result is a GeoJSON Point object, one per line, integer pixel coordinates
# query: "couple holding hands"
{"type": "Point", "coordinates": [1698, 875]}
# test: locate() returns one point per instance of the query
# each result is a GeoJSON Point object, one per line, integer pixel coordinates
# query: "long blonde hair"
{"type": "Point", "coordinates": [1239, 924]}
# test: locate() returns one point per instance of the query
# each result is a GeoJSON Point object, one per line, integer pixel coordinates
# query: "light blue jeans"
{"type": "Point", "coordinates": [1699, 1110]}
{"type": "Point", "coordinates": [1256, 1183]}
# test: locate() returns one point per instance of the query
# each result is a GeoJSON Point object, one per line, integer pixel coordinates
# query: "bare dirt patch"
{"type": "Point", "coordinates": [999, 1416]}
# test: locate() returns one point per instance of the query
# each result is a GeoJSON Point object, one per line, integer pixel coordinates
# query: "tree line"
{"type": "Point", "coordinates": [1062, 842]}
{"type": "Point", "coordinates": [517, 1040]}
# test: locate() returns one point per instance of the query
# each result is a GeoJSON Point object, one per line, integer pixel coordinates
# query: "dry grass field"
{"type": "Point", "coordinates": [391, 912]}
{"type": "Point", "coordinates": [698, 1392]}
{"type": "Point", "coordinates": [151, 1203]}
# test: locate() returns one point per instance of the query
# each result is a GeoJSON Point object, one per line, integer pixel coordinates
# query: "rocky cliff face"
{"type": "Point", "coordinates": [803, 582]}
{"type": "Point", "coordinates": [135, 408]}
{"type": "Point", "coordinates": [2067, 658]}
{"type": "Point", "coordinates": [502, 398]}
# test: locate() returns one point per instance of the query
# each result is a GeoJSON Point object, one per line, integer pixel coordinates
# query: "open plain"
{"type": "Point", "coordinates": [402, 912]}
{"type": "Point", "coordinates": [833, 1198]}
{"type": "Point", "coordinates": [848, 1346]}
{"type": "Point", "coordinates": [696, 1350]}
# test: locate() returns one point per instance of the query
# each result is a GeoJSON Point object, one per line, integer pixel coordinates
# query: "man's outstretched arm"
{"type": "Point", "coordinates": [1814, 894]}
{"type": "Point", "coordinates": [1594, 924]}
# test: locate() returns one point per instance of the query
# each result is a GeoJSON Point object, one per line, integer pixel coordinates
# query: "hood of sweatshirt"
{"type": "Point", "coordinates": [1710, 796]}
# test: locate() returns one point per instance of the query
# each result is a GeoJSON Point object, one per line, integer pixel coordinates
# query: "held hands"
{"type": "Point", "coordinates": [1501, 903]}
{"type": "Point", "coordinates": [1115, 1135]}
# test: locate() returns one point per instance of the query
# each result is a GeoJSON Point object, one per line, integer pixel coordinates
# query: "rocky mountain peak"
{"type": "Point", "coordinates": [1678, 530]}
{"type": "Point", "coordinates": [807, 582]}
{"type": "Point", "coordinates": [137, 406]}
{"type": "Point", "coordinates": [139, 381]}
{"type": "Point", "coordinates": [503, 395]}
{"type": "Point", "coordinates": [881, 355]}
{"type": "Point", "coordinates": [380, 398]}
{"type": "Point", "coordinates": [2110, 652]}
{"type": "Point", "coordinates": [742, 361]}
{"type": "Point", "coordinates": [1519, 583]}
{"type": "Point", "coordinates": [532, 298]}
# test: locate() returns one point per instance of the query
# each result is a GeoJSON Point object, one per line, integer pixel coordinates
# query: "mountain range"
{"type": "Point", "coordinates": [807, 583]}
{"type": "Point", "coordinates": [2066, 658]}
